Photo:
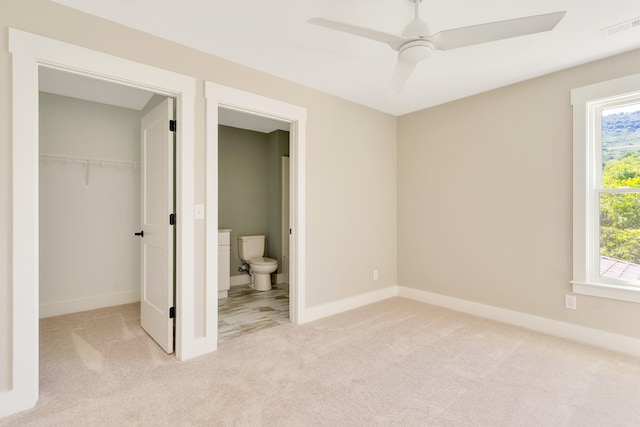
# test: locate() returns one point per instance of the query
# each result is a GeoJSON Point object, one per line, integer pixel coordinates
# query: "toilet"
{"type": "Point", "coordinates": [251, 251]}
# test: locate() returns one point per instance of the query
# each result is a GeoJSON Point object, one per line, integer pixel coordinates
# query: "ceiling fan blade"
{"type": "Point", "coordinates": [492, 31]}
{"type": "Point", "coordinates": [394, 41]}
{"type": "Point", "coordinates": [401, 74]}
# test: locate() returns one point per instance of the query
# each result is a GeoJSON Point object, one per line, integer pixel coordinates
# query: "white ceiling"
{"type": "Point", "coordinates": [74, 86]}
{"type": "Point", "coordinates": [273, 36]}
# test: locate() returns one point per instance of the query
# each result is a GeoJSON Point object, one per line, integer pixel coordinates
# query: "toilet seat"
{"type": "Point", "coordinates": [264, 261]}
{"type": "Point", "coordinates": [261, 269]}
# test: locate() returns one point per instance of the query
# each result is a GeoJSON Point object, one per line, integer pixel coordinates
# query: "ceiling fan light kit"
{"type": "Point", "coordinates": [416, 50]}
{"type": "Point", "coordinates": [417, 43]}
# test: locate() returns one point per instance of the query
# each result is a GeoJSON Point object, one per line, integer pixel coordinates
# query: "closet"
{"type": "Point", "coordinates": [89, 205]}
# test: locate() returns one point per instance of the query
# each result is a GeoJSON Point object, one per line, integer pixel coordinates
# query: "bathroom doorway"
{"type": "Point", "coordinates": [252, 201]}
{"type": "Point", "coordinates": [258, 108]}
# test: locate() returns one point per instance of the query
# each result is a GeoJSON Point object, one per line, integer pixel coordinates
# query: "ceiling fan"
{"type": "Point", "coordinates": [416, 42]}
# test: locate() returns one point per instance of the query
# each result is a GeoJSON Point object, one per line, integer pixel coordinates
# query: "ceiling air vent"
{"type": "Point", "coordinates": [619, 28]}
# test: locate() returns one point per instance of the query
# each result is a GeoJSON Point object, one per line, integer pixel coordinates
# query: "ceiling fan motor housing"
{"type": "Point", "coordinates": [416, 50]}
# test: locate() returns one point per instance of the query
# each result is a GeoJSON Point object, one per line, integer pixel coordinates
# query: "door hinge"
{"type": "Point", "coordinates": [290, 232]}
{"type": "Point", "coordinates": [172, 313]}
{"type": "Point", "coordinates": [172, 125]}
{"type": "Point", "coordinates": [172, 219]}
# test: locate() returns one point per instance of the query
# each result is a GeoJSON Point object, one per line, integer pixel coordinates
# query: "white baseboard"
{"type": "Point", "coordinates": [243, 279]}
{"type": "Point", "coordinates": [90, 303]}
{"type": "Point", "coordinates": [595, 337]}
{"type": "Point", "coordinates": [336, 307]}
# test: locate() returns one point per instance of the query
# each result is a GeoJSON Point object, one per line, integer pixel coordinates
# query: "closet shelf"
{"type": "Point", "coordinates": [87, 161]}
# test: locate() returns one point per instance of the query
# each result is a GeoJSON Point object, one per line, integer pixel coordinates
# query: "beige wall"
{"type": "Point", "coordinates": [88, 253]}
{"type": "Point", "coordinates": [350, 152]}
{"type": "Point", "coordinates": [485, 199]}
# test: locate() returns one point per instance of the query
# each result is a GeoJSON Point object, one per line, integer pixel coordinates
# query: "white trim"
{"type": "Point", "coordinates": [29, 52]}
{"type": "Point", "coordinates": [243, 279]}
{"type": "Point", "coordinates": [605, 290]}
{"type": "Point", "coordinates": [621, 86]}
{"type": "Point", "coordinates": [24, 392]}
{"type": "Point", "coordinates": [222, 96]}
{"type": "Point", "coordinates": [336, 307]}
{"type": "Point", "coordinates": [594, 337]}
{"type": "Point", "coordinates": [75, 305]}
{"type": "Point", "coordinates": [586, 102]}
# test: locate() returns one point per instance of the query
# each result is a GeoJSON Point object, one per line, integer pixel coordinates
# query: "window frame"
{"type": "Point", "coordinates": [588, 103]}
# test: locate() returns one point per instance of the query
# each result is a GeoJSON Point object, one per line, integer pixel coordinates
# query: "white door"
{"type": "Point", "coordinates": [156, 297]}
{"type": "Point", "coordinates": [285, 219]}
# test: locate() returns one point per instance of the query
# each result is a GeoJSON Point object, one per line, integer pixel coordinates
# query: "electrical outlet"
{"type": "Point", "coordinates": [375, 274]}
{"type": "Point", "coordinates": [570, 302]}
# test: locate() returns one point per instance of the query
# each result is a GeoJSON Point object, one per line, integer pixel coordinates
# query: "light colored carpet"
{"type": "Point", "coordinates": [393, 363]}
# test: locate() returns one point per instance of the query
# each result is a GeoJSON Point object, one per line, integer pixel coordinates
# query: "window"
{"type": "Point", "coordinates": [606, 205]}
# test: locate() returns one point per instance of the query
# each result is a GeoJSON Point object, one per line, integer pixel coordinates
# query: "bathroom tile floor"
{"type": "Point", "coordinates": [246, 310]}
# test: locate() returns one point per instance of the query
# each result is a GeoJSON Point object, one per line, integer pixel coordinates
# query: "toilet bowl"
{"type": "Point", "coordinates": [251, 252]}
{"type": "Point", "coordinates": [261, 269]}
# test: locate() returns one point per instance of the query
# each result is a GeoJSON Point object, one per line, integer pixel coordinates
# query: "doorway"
{"type": "Point", "coordinates": [106, 172]}
{"type": "Point", "coordinates": [252, 201]}
{"type": "Point", "coordinates": [30, 52]}
{"type": "Point", "coordinates": [259, 107]}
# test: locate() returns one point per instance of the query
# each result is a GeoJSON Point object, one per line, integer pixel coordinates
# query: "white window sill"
{"type": "Point", "coordinates": [617, 292]}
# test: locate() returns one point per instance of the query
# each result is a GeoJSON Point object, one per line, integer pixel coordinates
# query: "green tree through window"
{"type": "Point", "coordinates": [620, 212]}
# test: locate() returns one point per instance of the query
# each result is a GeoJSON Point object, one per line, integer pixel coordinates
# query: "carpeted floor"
{"type": "Point", "coordinates": [393, 363]}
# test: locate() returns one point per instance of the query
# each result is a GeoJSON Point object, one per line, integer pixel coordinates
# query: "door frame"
{"type": "Point", "coordinates": [29, 52]}
{"type": "Point", "coordinates": [285, 207]}
{"type": "Point", "coordinates": [217, 96]}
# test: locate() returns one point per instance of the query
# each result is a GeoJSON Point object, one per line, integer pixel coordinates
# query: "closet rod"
{"type": "Point", "coordinates": [86, 160]}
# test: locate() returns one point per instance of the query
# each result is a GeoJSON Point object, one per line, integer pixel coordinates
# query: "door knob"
{"type": "Point", "coordinates": [141, 233]}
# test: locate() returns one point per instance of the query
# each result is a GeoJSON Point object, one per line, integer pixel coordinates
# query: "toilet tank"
{"type": "Point", "coordinates": [250, 247]}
